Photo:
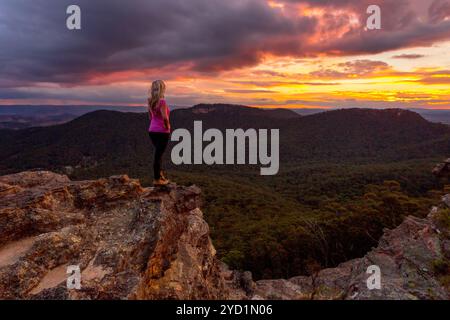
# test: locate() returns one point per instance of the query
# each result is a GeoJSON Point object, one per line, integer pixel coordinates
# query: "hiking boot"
{"type": "Point", "coordinates": [164, 179]}
{"type": "Point", "coordinates": [160, 182]}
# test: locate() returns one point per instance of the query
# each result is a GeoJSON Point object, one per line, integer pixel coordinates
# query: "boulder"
{"type": "Point", "coordinates": [128, 242]}
{"type": "Point", "coordinates": [408, 258]}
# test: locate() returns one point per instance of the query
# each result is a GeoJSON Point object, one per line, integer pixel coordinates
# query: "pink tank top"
{"type": "Point", "coordinates": [157, 121]}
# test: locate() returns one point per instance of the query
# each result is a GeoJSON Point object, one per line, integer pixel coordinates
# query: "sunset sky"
{"type": "Point", "coordinates": [281, 53]}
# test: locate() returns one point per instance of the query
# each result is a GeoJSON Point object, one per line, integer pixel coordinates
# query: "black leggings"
{"type": "Point", "coordinates": [160, 141]}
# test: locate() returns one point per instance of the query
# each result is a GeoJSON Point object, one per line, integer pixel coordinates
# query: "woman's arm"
{"type": "Point", "coordinates": [164, 112]}
{"type": "Point", "coordinates": [149, 109]}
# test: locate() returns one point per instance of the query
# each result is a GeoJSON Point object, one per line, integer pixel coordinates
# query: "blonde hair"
{"type": "Point", "coordinates": [156, 93]}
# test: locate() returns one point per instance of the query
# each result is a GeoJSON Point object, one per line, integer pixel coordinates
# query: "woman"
{"type": "Point", "coordinates": [159, 130]}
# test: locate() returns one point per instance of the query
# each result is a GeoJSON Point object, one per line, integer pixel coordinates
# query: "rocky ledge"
{"type": "Point", "coordinates": [412, 260]}
{"type": "Point", "coordinates": [131, 242]}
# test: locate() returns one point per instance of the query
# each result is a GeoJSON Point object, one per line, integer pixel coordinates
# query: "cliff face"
{"type": "Point", "coordinates": [412, 259]}
{"type": "Point", "coordinates": [131, 242]}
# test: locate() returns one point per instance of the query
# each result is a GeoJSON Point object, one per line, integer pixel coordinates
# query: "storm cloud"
{"type": "Point", "coordinates": [121, 35]}
{"type": "Point", "coordinates": [201, 35]}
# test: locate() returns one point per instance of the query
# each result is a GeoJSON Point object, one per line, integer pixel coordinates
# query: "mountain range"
{"type": "Point", "coordinates": [346, 134]}
{"type": "Point", "coordinates": [27, 116]}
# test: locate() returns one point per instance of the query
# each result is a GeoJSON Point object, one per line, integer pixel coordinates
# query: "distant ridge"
{"type": "Point", "coordinates": [364, 113]}
{"type": "Point", "coordinates": [279, 113]}
{"type": "Point", "coordinates": [26, 116]}
{"type": "Point", "coordinates": [432, 115]}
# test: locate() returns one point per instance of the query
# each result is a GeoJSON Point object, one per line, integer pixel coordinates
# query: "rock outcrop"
{"type": "Point", "coordinates": [413, 260]}
{"type": "Point", "coordinates": [129, 242]}
{"type": "Point", "coordinates": [442, 169]}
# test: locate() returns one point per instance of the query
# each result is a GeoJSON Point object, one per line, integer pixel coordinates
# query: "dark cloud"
{"type": "Point", "coordinates": [408, 56]}
{"type": "Point", "coordinates": [121, 35]}
{"type": "Point", "coordinates": [114, 95]}
{"type": "Point", "coordinates": [249, 91]}
{"type": "Point", "coordinates": [268, 83]}
{"type": "Point", "coordinates": [439, 10]}
{"type": "Point", "coordinates": [201, 35]}
{"type": "Point", "coordinates": [363, 67]}
{"type": "Point", "coordinates": [350, 69]}
{"type": "Point", "coordinates": [405, 23]}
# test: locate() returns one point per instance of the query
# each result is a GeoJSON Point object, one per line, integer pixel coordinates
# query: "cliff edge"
{"type": "Point", "coordinates": [412, 259]}
{"type": "Point", "coordinates": [130, 242]}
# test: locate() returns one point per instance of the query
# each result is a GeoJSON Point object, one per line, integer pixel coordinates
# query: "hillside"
{"type": "Point", "coordinates": [392, 134]}
{"type": "Point", "coordinates": [119, 139]}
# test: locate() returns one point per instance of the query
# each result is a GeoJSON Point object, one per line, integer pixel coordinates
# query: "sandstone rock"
{"type": "Point", "coordinates": [446, 200]}
{"type": "Point", "coordinates": [442, 169]}
{"type": "Point", "coordinates": [129, 242]}
{"type": "Point", "coordinates": [240, 285]}
{"type": "Point", "coordinates": [405, 255]}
